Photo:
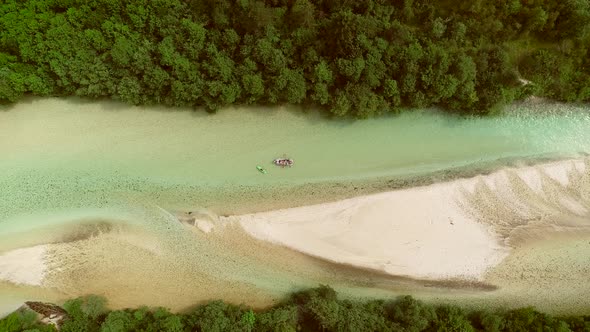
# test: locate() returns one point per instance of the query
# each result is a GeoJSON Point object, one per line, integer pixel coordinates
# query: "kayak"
{"type": "Point", "coordinates": [261, 169]}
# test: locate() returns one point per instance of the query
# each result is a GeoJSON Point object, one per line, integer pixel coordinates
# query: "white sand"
{"type": "Point", "coordinates": [415, 232]}
{"type": "Point", "coordinates": [420, 232]}
{"type": "Point", "coordinates": [24, 266]}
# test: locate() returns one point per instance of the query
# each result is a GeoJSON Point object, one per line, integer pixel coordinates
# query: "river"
{"type": "Point", "coordinates": [97, 179]}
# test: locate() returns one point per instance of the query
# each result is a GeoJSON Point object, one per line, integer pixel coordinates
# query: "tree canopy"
{"type": "Point", "coordinates": [316, 309]}
{"type": "Point", "coordinates": [349, 58]}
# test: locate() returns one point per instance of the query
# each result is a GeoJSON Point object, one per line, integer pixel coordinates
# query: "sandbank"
{"type": "Point", "coordinates": [429, 232]}
{"type": "Point", "coordinates": [24, 266]}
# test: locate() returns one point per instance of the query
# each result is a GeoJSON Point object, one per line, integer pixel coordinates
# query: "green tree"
{"type": "Point", "coordinates": [341, 105]}
{"type": "Point", "coordinates": [218, 316]}
{"type": "Point", "coordinates": [411, 314]}
{"type": "Point", "coordinates": [321, 94]}
{"type": "Point", "coordinates": [270, 56]}
{"type": "Point", "coordinates": [122, 51]}
{"type": "Point", "coordinates": [253, 85]}
{"type": "Point", "coordinates": [573, 20]}
{"type": "Point", "coordinates": [293, 85]}
{"type": "Point", "coordinates": [23, 320]}
{"type": "Point", "coordinates": [451, 318]}
{"type": "Point", "coordinates": [357, 59]}
{"type": "Point", "coordinates": [302, 14]}
{"type": "Point", "coordinates": [438, 27]}
{"type": "Point", "coordinates": [12, 85]}
{"type": "Point", "coordinates": [487, 321]}
{"type": "Point", "coordinates": [323, 73]}
{"type": "Point", "coordinates": [391, 92]}
{"type": "Point", "coordinates": [119, 321]}
{"type": "Point", "coordinates": [129, 90]}
{"type": "Point", "coordinates": [248, 319]}
{"type": "Point", "coordinates": [84, 314]}
{"type": "Point", "coordinates": [281, 319]}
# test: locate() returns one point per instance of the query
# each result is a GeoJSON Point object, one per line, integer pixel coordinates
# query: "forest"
{"type": "Point", "coordinates": [316, 309]}
{"type": "Point", "coordinates": [348, 58]}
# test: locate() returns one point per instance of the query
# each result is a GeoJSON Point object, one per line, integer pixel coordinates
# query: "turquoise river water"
{"type": "Point", "coordinates": [70, 162]}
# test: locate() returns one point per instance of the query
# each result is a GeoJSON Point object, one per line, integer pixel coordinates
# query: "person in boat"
{"type": "Point", "coordinates": [283, 162]}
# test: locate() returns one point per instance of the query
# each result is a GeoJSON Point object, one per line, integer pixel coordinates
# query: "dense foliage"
{"type": "Point", "coordinates": [23, 321]}
{"type": "Point", "coordinates": [316, 309]}
{"type": "Point", "coordinates": [357, 58]}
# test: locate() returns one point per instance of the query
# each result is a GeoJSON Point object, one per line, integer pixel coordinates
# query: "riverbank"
{"type": "Point", "coordinates": [419, 233]}
{"type": "Point", "coordinates": [436, 231]}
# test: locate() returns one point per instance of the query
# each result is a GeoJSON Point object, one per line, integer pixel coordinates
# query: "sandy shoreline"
{"type": "Point", "coordinates": [24, 266]}
{"type": "Point", "coordinates": [415, 232]}
{"type": "Point", "coordinates": [427, 232]}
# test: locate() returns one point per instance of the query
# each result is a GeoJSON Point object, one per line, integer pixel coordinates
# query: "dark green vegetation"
{"type": "Point", "coordinates": [358, 58]}
{"type": "Point", "coordinates": [316, 309]}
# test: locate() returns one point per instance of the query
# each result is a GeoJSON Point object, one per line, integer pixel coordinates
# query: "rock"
{"type": "Point", "coordinates": [204, 225]}
{"type": "Point", "coordinates": [203, 219]}
{"type": "Point", "coordinates": [47, 313]}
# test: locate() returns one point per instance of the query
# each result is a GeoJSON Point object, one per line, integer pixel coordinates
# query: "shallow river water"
{"type": "Point", "coordinates": [98, 180]}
